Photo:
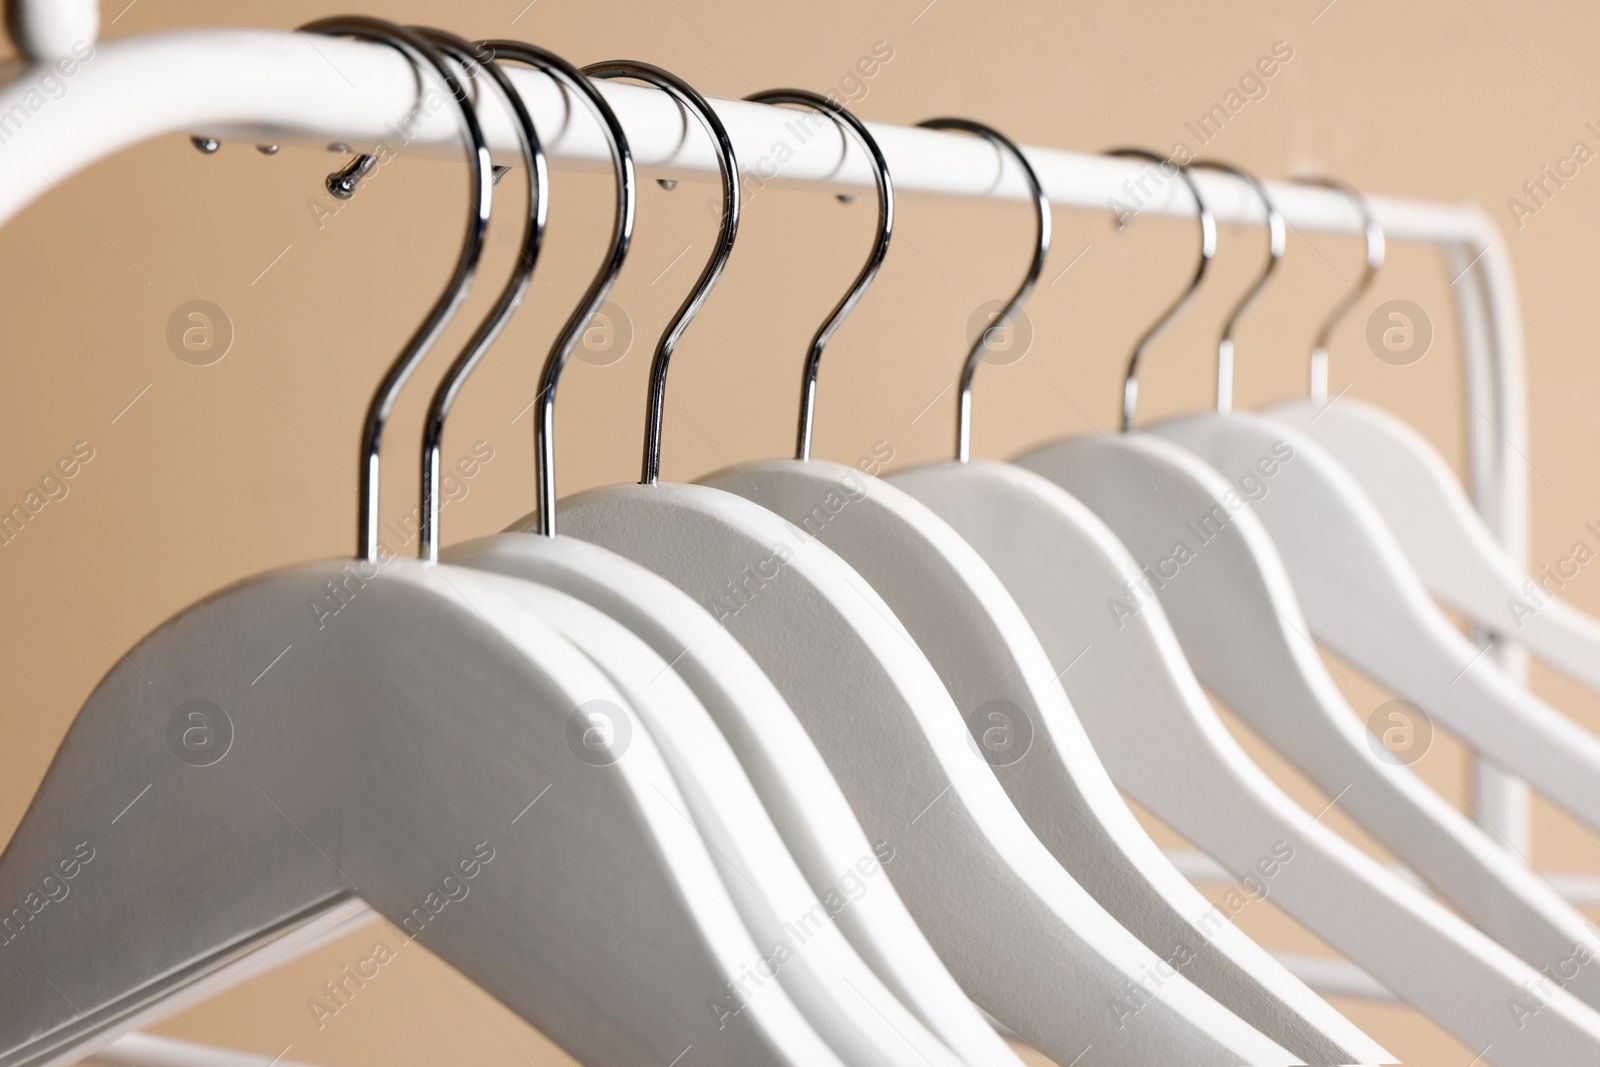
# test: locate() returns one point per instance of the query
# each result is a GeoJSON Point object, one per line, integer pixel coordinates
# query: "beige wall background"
{"type": "Point", "coordinates": [201, 476]}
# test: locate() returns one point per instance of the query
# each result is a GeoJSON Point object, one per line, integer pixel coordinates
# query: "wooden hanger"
{"type": "Point", "coordinates": [975, 636]}
{"type": "Point", "coordinates": [1323, 524]}
{"type": "Point", "coordinates": [843, 999]}
{"type": "Point", "coordinates": [1263, 666]}
{"type": "Point", "coordinates": [1162, 742]}
{"type": "Point", "coordinates": [1500, 895]}
{"type": "Point", "coordinates": [1026, 942]}
{"type": "Point", "coordinates": [1164, 745]}
{"type": "Point", "coordinates": [844, 868]}
{"type": "Point", "coordinates": [227, 805]}
{"type": "Point", "coordinates": [846, 1001]}
{"type": "Point", "coordinates": [343, 778]}
{"type": "Point", "coordinates": [1441, 533]}
{"type": "Point", "coordinates": [1445, 540]}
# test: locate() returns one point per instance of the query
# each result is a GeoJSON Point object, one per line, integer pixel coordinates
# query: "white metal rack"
{"type": "Point", "coordinates": [257, 86]}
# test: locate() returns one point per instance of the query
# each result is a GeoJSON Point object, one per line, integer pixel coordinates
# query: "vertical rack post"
{"type": "Point", "coordinates": [1497, 444]}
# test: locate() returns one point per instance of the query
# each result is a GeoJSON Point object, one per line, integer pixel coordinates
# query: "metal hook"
{"type": "Point", "coordinates": [417, 49]}
{"type": "Point", "coordinates": [1041, 207]}
{"type": "Point", "coordinates": [727, 229]}
{"type": "Point", "coordinates": [869, 271]}
{"type": "Point", "coordinates": [1277, 238]}
{"type": "Point", "coordinates": [516, 286]}
{"type": "Point", "coordinates": [1208, 248]}
{"type": "Point", "coordinates": [572, 79]}
{"type": "Point", "coordinates": [1375, 254]}
{"type": "Point", "coordinates": [342, 183]}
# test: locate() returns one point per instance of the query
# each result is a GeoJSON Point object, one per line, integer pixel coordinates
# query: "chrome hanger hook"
{"type": "Point", "coordinates": [572, 80]}
{"type": "Point", "coordinates": [1208, 248]}
{"type": "Point", "coordinates": [471, 60]}
{"type": "Point", "coordinates": [727, 229]}
{"type": "Point", "coordinates": [417, 49]}
{"type": "Point", "coordinates": [1041, 249]}
{"type": "Point", "coordinates": [1375, 255]}
{"type": "Point", "coordinates": [1277, 238]}
{"type": "Point", "coordinates": [869, 270]}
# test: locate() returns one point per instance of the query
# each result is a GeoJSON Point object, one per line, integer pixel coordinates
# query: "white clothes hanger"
{"type": "Point", "coordinates": [841, 864]}
{"type": "Point", "coordinates": [1361, 597]}
{"type": "Point", "coordinates": [250, 802]}
{"type": "Point", "coordinates": [847, 1002]}
{"type": "Point", "coordinates": [843, 999]}
{"type": "Point", "coordinates": [975, 636]}
{"type": "Point", "coordinates": [1026, 942]}
{"type": "Point", "coordinates": [1163, 743]}
{"type": "Point", "coordinates": [1444, 538]}
{"type": "Point", "coordinates": [1442, 534]}
{"type": "Point", "coordinates": [611, 943]}
{"type": "Point", "coordinates": [1005, 918]}
{"type": "Point", "coordinates": [1263, 665]}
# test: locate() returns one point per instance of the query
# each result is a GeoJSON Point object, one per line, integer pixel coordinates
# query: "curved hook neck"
{"type": "Point", "coordinates": [1041, 250]}
{"type": "Point", "coordinates": [511, 296]}
{"type": "Point", "coordinates": [416, 48]}
{"type": "Point", "coordinates": [727, 230]}
{"type": "Point", "coordinates": [572, 80]}
{"type": "Point", "coordinates": [1208, 248]}
{"type": "Point", "coordinates": [869, 271]}
{"type": "Point", "coordinates": [1276, 240]}
{"type": "Point", "coordinates": [1375, 251]}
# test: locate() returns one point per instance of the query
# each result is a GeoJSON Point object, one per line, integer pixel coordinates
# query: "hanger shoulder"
{"type": "Point", "coordinates": [1445, 539]}
{"type": "Point", "coordinates": [1237, 617]}
{"type": "Point", "coordinates": [1163, 743]}
{"type": "Point", "coordinates": [1362, 598]}
{"type": "Point", "coordinates": [783, 765]}
{"type": "Point", "coordinates": [1001, 680]}
{"type": "Point", "coordinates": [847, 1004]}
{"type": "Point", "coordinates": [331, 784]}
{"type": "Point", "coordinates": [890, 735]}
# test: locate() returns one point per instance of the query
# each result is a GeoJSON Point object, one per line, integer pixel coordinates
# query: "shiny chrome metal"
{"type": "Point", "coordinates": [573, 81]}
{"type": "Point", "coordinates": [1277, 237]}
{"type": "Point", "coordinates": [1208, 248]}
{"type": "Point", "coordinates": [1375, 255]}
{"type": "Point", "coordinates": [727, 229]}
{"type": "Point", "coordinates": [1041, 249]}
{"type": "Point", "coordinates": [869, 271]}
{"type": "Point", "coordinates": [511, 295]}
{"type": "Point", "coordinates": [417, 49]}
{"type": "Point", "coordinates": [342, 183]}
